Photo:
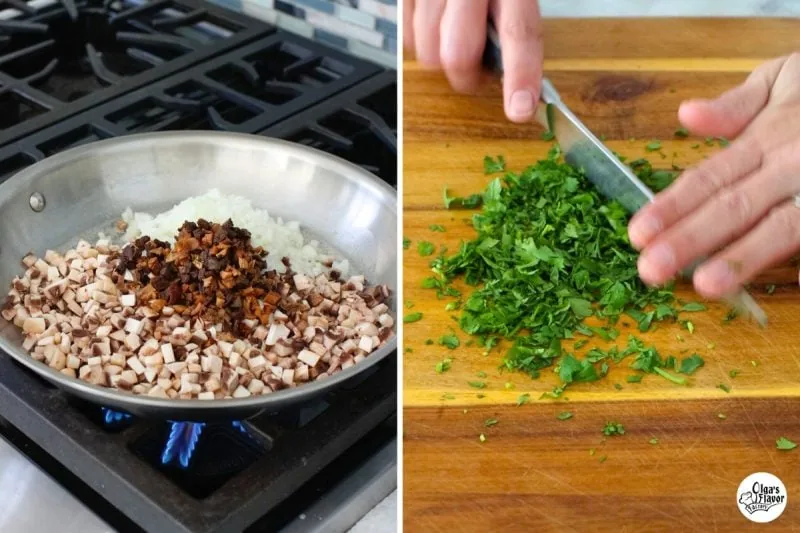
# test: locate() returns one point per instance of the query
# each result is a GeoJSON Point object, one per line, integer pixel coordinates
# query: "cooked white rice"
{"type": "Point", "coordinates": [279, 238]}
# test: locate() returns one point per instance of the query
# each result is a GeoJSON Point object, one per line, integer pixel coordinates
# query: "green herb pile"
{"type": "Point", "coordinates": [551, 252]}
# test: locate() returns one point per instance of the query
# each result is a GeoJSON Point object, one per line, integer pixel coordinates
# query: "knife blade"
{"type": "Point", "coordinates": [583, 150]}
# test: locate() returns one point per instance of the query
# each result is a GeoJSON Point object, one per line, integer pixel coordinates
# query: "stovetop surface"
{"type": "Point", "coordinates": [59, 57]}
{"type": "Point", "coordinates": [240, 476]}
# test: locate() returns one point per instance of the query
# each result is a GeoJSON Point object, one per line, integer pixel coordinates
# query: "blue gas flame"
{"type": "Point", "coordinates": [111, 417]}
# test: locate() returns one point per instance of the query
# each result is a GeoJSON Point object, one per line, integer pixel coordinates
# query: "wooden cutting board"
{"type": "Point", "coordinates": [625, 79]}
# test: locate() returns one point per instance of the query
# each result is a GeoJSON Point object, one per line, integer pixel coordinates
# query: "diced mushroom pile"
{"type": "Point", "coordinates": [201, 319]}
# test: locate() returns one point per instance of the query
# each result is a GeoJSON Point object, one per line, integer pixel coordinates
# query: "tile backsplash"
{"type": "Point", "coordinates": [366, 28]}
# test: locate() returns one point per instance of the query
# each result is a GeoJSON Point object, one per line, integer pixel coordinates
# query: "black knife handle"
{"type": "Point", "coordinates": [492, 56]}
{"type": "Point", "coordinates": [493, 62]}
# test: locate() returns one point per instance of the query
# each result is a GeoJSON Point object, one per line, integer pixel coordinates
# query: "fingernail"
{"type": "Point", "coordinates": [643, 229]}
{"type": "Point", "coordinates": [660, 257]}
{"type": "Point", "coordinates": [717, 276]}
{"type": "Point", "coordinates": [521, 106]}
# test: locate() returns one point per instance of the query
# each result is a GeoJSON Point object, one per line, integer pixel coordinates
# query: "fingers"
{"type": "Point", "coordinates": [721, 219]}
{"type": "Point", "coordinates": [427, 19]}
{"type": "Point", "coordinates": [519, 27]}
{"type": "Point", "coordinates": [774, 239]}
{"type": "Point", "coordinates": [463, 38]}
{"type": "Point", "coordinates": [729, 114]}
{"type": "Point", "coordinates": [692, 189]}
{"type": "Point", "coordinates": [408, 25]}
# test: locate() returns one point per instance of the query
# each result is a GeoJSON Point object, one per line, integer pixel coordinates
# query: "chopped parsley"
{"type": "Point", "coordinates": [566, 415]}
{"type": "Point", "coordinates": [724, 387]}
{"type": "Point", "coordinates": [612, 429]}
{"type": "Point", "coordinates": [733, 373]}
{"type": "Point", "coordinates": [785, 444]}
{"type": "Point", "coordinates": [472, 201]}
{"type": "Point", "coordinates": [425, 248]}
{"type": "Point", "coordinates": [490, 422]}
{"type": "Point", "coordinates": [406, 243]}
{"type": "Point", "coordinates": [682, 133]}
{"type": "Point", "coordinates": [653, 441]}
{"type": "Point", "coordinates": [634, 378]}
{"type": "Point", "coordinates": [412, 317]}
{"type": "Point", "coordinates": [477, 384]}
{"type": "Point", "coordinates": [493, 165]}
{"type": "Point", "coordinates": [693, 307]}
{"type": "Point", "coordinates": [690, 364]}
{"type": "Point", "coordinates": [770, 289]}
{"type": "Point", "coordinates": [450, 340]}
{"type": "Point", "coordinates": [523, 399]}
{"type": "Point", "coordinates": [443, 366]}
{"type": "Point", "coordinates": [652, 146]}
{"type": "Point", "coordinates": [481, 374]}
{"type": "Point", "coordinates": [437, 227]}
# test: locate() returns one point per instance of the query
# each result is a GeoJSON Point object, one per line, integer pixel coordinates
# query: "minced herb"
{"type": "Point", "coordinates": [493, 165]}
{"type": "Point", "coordinates": [724, 387]}
{"type": "Point", "coordinates": [549, 253]}
{"type": "Point", "coordinates": [490, 422]}
{"type": "Point", "coordinates": [770, 289]}
{"type": "Point", "coordinates": [412, 317]}
{"type": "Point", "coordinates": [443, 366]}
{"type": "Point", "coordinates": [785, 444]}
{"type": "Point", "coordinates": [450, 340]}
{"type": "Point", "coordinates": [523, 399]}
{"type": "Point", "coordinates": [653, 441]}
{"type": "Point", "coordinates": [652, 146]}
{"type": "Point", "coordinates": [477, 384]}
{"type": "Point", "coordinates": [682, 133]}
{"type": "Point", "coordinates": [406, 243]}
{"type": "Point", "coordinates": [566, 415]}
{"type": "Point", "coordinates": [437, 227]}
{"type": "Point", "coordinates": [733, 373]}
{"type": "Point", "coordinates": [425, 248]}
{"type": "Point", "coordinates": [612, 429]}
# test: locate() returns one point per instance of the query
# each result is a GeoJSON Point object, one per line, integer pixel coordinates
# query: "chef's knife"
{"type": "Point", "coordinates": [582, 149]}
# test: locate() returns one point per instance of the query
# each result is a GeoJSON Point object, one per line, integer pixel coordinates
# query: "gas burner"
{"type": "Point", "coordinates": [59, 57]}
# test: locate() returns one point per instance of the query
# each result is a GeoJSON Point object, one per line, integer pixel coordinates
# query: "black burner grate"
{"type": "Point", "coordinates": [59, 58]}
{"type": "Point", "coordinates": [358, 124]}
{"type": "Point", "coordinates": [228, 476]}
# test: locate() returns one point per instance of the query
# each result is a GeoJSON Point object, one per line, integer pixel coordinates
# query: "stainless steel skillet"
{"type": "Point", "coordinates": [85, 189]}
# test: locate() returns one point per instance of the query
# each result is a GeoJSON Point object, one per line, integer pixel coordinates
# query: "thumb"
{"type": "Point", "coordinates": [730, 113]}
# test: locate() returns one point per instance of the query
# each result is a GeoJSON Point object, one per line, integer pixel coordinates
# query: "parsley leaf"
{"type": "Point", "coordinates": [477, 384]}
{"type": "Point", "coordinates": [566, 415]}
{"type": "Point", "coordinates": [612, 429]}
{"type": "Point", "coordinates": [450, 340]}
{"type": "Point", "coordinates": [437, 227]}
{"type": "Point", "coordinates": [412, 317]}
{"type": "Point", "coordinates": [443, 366]}
{"type": "Point", "coordinates": [693, 307]}
{"type": "Point", "coordinates": [690, 364]}
{"type": "Point", "coordinates": [490, 422]}
{"type": "Point", "coordinates": [523, 399]}
{"type": "Point", "coordinates": [785, 444]}
{"type": "Point", "coordinates": [492, 166]}
{"type": "Point", "coordinates": [682, 133]}
{"type": "Point", "coordinates": [406, 243]}
{"type": "Point", "coordinates": [456, 202]}
{"type": "Point", "coordinates": [652, 146]}
{"type": "Point", "coordinates": [724, 387]}
{"type": "Point", "coordinates": [425, 248]}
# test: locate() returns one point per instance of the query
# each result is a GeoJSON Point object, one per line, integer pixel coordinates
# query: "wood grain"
{"type": "Point", "coordinates": [534, 472]}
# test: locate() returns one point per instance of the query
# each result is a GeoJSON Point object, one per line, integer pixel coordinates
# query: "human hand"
{"type": "Point", "coordinates": [737, 205]}
{"type": "Point", "coordinates": [451, 34]}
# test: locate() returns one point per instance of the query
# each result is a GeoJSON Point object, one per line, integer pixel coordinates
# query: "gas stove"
{"type": "Point", "coordinates": [311, 469]}
{"type": "Point", "coordinates": [59, 57]}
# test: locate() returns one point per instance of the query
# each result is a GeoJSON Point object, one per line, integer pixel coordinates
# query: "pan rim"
{"type": "Point", "coordinates": [106, 396]}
